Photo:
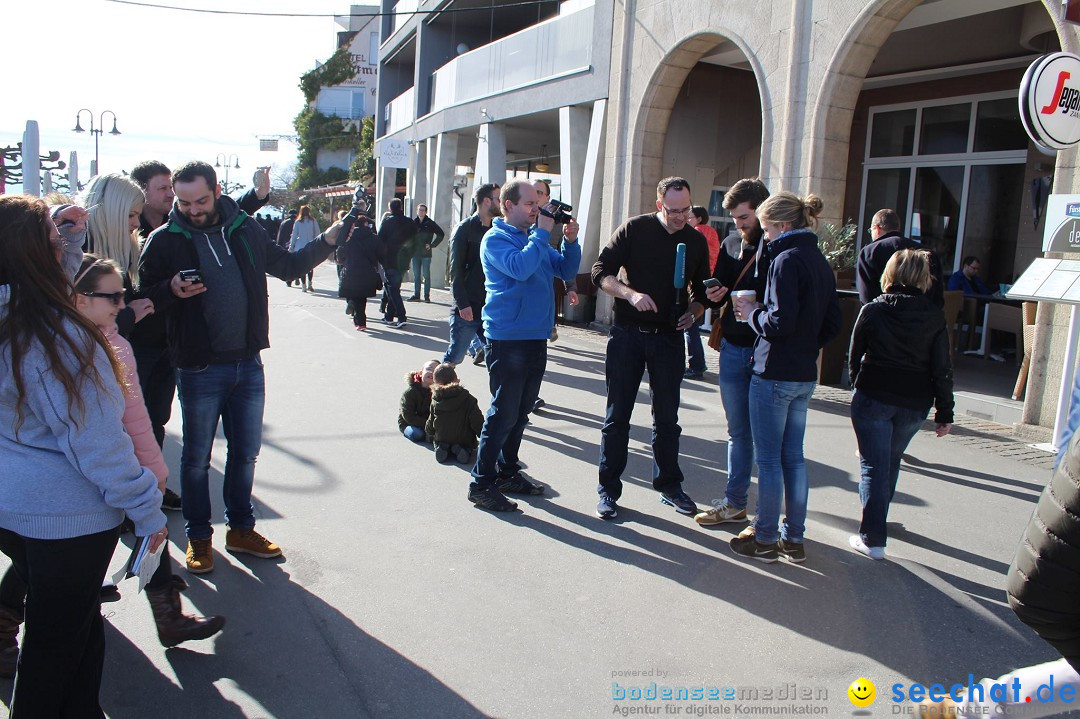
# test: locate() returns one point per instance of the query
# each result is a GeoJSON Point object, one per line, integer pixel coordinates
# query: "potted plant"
{"type": "Point", "coordinates": [837, 243]}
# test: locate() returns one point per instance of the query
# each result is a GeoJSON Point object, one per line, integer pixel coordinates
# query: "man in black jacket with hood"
{"type": "Point", "coordinates": [217, 323]}
{"type": "Point", "coordinates": [394, 232]}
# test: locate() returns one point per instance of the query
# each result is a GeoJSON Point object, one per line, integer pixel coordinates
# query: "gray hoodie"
{"type": "Point", "coordinates": [63, 478]}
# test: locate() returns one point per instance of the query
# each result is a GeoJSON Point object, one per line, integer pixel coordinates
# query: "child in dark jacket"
{"type": "Point", "coordinates": [455, 420]}
{"type": "Point", "coordinates": [416, 403]}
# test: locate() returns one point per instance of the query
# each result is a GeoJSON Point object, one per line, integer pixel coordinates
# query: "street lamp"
{"type": "Point", "coordinates": [231, 161]}
{"type": "Point", "coordinates": [96, 132]}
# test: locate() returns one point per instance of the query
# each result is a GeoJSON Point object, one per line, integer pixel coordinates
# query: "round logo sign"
{"type": "Point", "coordinates": [1050, 100]}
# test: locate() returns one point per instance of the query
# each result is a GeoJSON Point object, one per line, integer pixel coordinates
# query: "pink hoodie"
{"type": "Point", "coordinates": [136, 420]}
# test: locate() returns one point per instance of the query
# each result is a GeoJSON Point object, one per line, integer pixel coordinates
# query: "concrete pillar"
{"type": "Point", "coordinates": [384, 189]}
{"type": "Point", "coordinates": [589, 200]}
{"type": "Point", "coordinates": [442, 155]}
{"type": "Point", "coordinates": [573, 144]}
{"type": "Point", "coordinates": [491, 154]}
{"type": "Point", "coordinates": [417, 177]}
{"type": "Point", "coordinates": [31, 162]}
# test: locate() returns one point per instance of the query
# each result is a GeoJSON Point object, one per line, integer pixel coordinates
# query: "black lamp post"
{"type": "Point", "coordinates": [228, 162]}
{"type": "Point", "coordinates": [96, 132]}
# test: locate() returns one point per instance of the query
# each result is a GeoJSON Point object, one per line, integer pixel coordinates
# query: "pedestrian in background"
{"type": "Point", "coordinates": [304, 232]}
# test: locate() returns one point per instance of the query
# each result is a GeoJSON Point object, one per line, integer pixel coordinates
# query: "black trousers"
{"type": "Point", "coordinates": [157, 380]}
{"type": "Point", "coordinates": [63, 647]}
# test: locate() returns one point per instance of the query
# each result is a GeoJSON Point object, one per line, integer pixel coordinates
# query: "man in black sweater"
{"type": "Point", "coordinates": [887, 241]}
{"type": "Point", "coordinates": [651, 311]}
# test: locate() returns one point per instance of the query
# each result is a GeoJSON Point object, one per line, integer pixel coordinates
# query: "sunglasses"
{"type": "Point", "coordinates": [116, 297]}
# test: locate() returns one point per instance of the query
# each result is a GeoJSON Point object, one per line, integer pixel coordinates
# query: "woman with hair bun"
{"type": "Point", "coordinates": [799, 315]}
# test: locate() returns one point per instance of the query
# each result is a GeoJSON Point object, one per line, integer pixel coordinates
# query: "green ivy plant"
{"type": "Point", "coordinates": [837, 243]}
{"type": "Point", "coordinates": [334, 71]}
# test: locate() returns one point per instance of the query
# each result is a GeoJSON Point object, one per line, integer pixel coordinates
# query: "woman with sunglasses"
{"type": "Point", "coordinates": [70, 471]}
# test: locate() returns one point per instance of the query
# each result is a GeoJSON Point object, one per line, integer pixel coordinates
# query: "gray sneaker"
{"type": "Point", "coordinates": [720, 513]}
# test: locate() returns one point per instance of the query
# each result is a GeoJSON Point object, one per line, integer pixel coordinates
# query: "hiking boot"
{"type": "Point", "coordinates": [442, 453]}
{"type": "Point", "coordinates": [859, 545]}
{"type": "Point", "coordinates": [791, 551]}
{"type": "Point", "coordinates": [173, 626]}
{"type": "Point", "coordinates": [9, 645]}
{"type": "Point", "coordinates": [251, 542]}
{"type": "Point", "coordinates": [748, 546]}
{"type": "Point", "coordinates": [517, 484]}
{"type": "Point", "coordinates": [720, 513]}
{"type": "Point", "coordinates": [680, 501]}
{"type": "Point", "coordinates": [491, 499]}
{"type": "Point", "coordinates": [200, 556]}
{"type": "Point", "coordinates": [170, 501]}
{"type": "Point", "coordinates": [607, 508]}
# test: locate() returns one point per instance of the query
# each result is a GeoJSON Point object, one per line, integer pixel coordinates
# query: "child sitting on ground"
{"type": "Point", "coordinates": [416, 403]}
{"type": "Point", "coordinates": [455, 420]}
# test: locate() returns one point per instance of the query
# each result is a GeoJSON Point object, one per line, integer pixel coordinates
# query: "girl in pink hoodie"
{"type": "Point", "coordinates": [99, 296]}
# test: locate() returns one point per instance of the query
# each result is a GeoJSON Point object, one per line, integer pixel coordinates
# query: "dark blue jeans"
{"type": "Point", "coordinates": [884, 431]}
{"type": "Point", "coordinates": [395, 307]}
{"type": "Point", "coordinates": [735, 376]}
{"type": "Point", "coordinates": [234, 392]}
{"type": "Point", "coordinates": [695, 352]}
{"type": "Point", "coordinates": [629, 353]}
{"type": "Point", "coordinates": [421, 268]}
{"type": "Point", "coordinates": [464, 335]}
{"type": "Point", "coordinates": [515, 372]}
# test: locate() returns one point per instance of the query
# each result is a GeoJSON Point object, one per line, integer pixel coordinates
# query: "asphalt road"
{"type": "Point", "coordinates": [398, 598]}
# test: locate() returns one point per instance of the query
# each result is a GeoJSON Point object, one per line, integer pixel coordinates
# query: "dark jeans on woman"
{"type": "Point", "coordinates": [63, 646]}
{"type": "Point", "coordinates": [359, 308]}
{"type": "Point", "coordinates": [884, 432]}
{"type": "Point", "coordinates": [630, 351]}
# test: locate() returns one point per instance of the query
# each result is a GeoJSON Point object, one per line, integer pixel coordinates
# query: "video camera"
{"type": "Point", "coordinates": [561, 213]}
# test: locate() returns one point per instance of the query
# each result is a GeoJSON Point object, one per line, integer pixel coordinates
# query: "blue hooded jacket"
{"type": "Point", "coordinates": [520, 270]}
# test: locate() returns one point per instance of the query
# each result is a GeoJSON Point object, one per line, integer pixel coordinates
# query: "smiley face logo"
{"type": "Point", "coordinates": [862, 692]}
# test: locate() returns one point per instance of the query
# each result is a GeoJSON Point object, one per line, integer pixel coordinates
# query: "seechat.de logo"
{"type": "Point", "coordinates": [1072, 209]}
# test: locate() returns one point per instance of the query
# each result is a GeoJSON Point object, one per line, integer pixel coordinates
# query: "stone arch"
{"type": "Point", "coordinates": [654, 112]}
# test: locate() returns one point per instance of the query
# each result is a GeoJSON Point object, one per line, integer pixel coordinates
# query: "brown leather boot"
{"type": "Point", "coordinates": [173, 626]}
{"type": "Point", "coordinates": [9, 646]}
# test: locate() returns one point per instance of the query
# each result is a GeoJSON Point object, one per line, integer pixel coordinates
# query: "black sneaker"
{"type": "Point", "coordinates": [794, 553]}
{"type": "Point", "coordinates": [478, 358]}
{"type": "Point", "coordinates": [680, 501]}
{"type": "Point", "coordinates": [171, 501]}
{"type": "Point", "coordinates": [748, 546]}
{"type": "Point", "coordinates": [442, 453]}
{"type": "Point", "coordinates": [606, 508]}
{"type": "Point", "coordinates": [538, 404]}
{"type": "Point", "coordinates": [491, 499]}
{"type": "Point", "coordinates": [517, 484]}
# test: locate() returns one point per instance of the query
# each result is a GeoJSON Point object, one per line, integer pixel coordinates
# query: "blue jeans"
{"type": "Point", "coordinates": [629, 353]}
{"type": "Point", "coordinates": [735, 374]}
{"type": "Point", "coordinates": [778, 421]}
{"type": "Point", "coordinates": [235, 392]}
{"type": "Point", "coordinates": [515, 371]}
{"type": "Point", "coordinates": [421, 267]}
{"type": "Point", "coordinates": [415, 434]}
{"type": "Point", "coordinates": [884, 431]}
{"type": "Point", "coordinates": [395, 307]}
{"type": "Point", "coordinates": [463, 334]}
{"type": "Point", "coordinates": [695, 353]}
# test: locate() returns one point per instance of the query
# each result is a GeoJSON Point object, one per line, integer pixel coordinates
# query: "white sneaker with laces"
{"type": "Point", "coordinates": [720, 513]}
{"type": "Point", "coordinates": [859, 546]}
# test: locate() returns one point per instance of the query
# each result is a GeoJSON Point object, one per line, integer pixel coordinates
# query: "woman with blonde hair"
{"type": "Point", "coordinates": [799, 315]}
{"type": "Point", "coordinates": [114, 202]}
{"type": "Point", "coordinates": [899, 366]}
{"type": "Point", "coordinates": [304, 232]}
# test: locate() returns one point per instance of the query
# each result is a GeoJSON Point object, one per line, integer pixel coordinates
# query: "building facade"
{"type": "Point", "coordinates": [909, 104]}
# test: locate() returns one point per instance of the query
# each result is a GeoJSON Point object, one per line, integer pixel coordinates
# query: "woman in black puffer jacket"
{"type": "Point", "coordinates": [899, 366]}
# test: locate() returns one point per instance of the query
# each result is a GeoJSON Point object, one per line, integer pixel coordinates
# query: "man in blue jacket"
{"type": "Point", "coordinates": [520, 267]}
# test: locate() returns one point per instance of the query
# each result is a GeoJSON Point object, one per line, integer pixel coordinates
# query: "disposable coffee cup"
{"type": "Point", "coordinates": [749, 294]}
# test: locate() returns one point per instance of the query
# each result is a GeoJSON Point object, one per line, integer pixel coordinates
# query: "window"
{"type": "Point", "coordinates": [942, 166]}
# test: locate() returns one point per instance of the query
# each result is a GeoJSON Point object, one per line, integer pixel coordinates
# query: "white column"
{"type": "Point", "coordinates": [590, 199]}
{"type": "Point", "coordinates": [442, 154]}
{"type": "Point", "coordinates": [384, 189]}
{"type": "Point", "coordinates": [417, 177]}
{"type": "Point", "coordinates": [491, 154]}
{"type": "Point", "coordinates": [31, 162]}
{"type": "Point", "coordinates": [573, 146]}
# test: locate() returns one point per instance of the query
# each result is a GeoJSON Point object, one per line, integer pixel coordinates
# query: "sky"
{"type": "Point", "coordinates": [184, 85]}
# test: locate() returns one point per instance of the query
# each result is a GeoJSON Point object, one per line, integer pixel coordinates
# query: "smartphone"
{"type": "Point", "coordinates": [711, 282]}
{"type": "Point", "coordinates": [191, 275]}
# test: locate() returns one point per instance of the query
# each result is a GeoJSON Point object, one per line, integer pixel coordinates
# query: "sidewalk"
{"type": "Point", "coordinates": [397, 598]}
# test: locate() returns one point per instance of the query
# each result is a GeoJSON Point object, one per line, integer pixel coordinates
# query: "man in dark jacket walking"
{"type": "Point", "coordinates": [395, 231]}
{"type": "Point", "coordinates": [467, 276]}
{"type": "Point", "coordinates": [887, 241]}
{"type": "Point", "coordinates": [217, 323]}
{"type": "Point", "coordinates": [428, 236]}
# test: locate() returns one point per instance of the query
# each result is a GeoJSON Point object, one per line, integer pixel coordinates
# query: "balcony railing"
{"type": "Point", "coordinates": [550, 49]}
{"type": "Point", "coordinates": [400, 112]}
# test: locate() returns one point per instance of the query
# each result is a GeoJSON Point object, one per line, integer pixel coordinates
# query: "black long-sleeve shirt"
{"type": "Point", "coordinates": [642, 253]}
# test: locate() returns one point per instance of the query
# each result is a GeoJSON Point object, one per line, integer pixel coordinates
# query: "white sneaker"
{"type": "Point", "coordinates": [859, 546]}
{"type": "Point", "coordinates": [720, 513]}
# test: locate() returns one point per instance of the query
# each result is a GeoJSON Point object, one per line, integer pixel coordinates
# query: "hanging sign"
{"type": "Point", "coordinates": [1050, 100]}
